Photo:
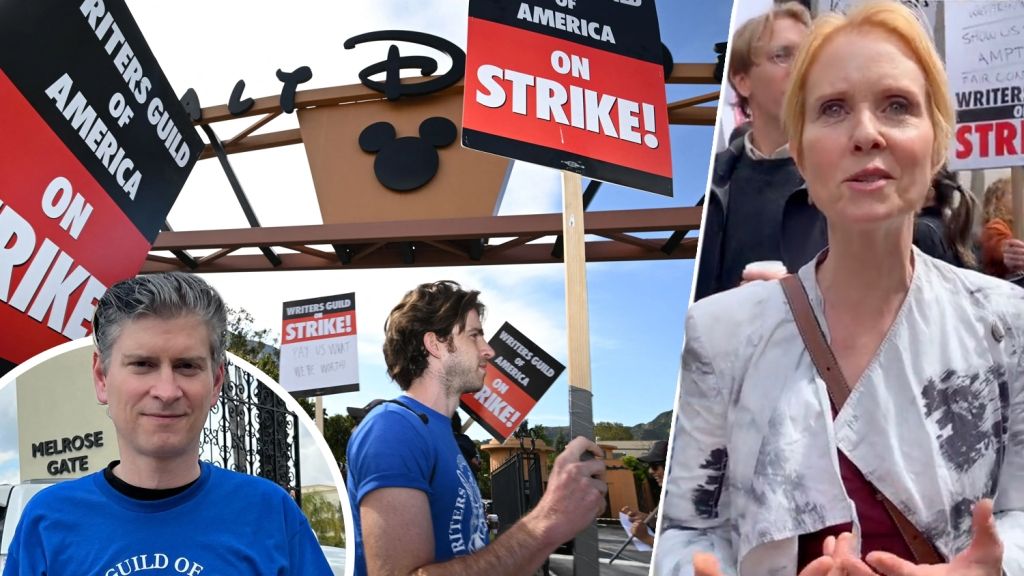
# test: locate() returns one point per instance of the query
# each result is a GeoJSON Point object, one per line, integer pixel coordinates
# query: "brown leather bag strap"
{"type": "Point", "coordinates": [814, 340]}
{"type": "Point", "coordinates": [838, 390]}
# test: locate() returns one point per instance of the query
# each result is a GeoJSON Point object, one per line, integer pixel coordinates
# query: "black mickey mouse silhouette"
{"type": "Point", "coordinates": [409, 162]}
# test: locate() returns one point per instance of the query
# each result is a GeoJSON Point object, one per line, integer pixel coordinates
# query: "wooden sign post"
{"type": "Point", "coordinates": [590, 105]}
{"type": "Point", "coordinates": [1017, 188]}
{"type": "Point", "coordinates": [577, 321]}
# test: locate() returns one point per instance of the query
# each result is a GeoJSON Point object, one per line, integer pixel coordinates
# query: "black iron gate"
{"type": "Point", "coordinates": [516, 487]}
{"type": "Point", "coordinates": [251, 430]}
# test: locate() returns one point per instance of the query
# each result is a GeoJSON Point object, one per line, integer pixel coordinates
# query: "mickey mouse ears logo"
{"type": "Point", "coordinates": [407, 163]}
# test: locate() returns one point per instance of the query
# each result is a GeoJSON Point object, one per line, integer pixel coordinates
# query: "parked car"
{"type": "Point", "coordinates": [336, 559]}
{"type": "Point", "coordinates": [13, 498]}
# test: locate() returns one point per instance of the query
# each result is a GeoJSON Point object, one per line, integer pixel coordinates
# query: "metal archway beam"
{"type": "Point", "coordinates": [432, 242]}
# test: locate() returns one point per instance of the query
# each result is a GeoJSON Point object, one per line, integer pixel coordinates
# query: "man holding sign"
{"type": "Point", "coordinates": [406, 471]}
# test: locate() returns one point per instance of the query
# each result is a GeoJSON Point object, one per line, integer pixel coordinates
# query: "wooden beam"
{"type": "Point", "coordinates": [632, 240]}
{"type": "Point", "coordinates": [165, 260]}
{"type": "Point", "coordinates": [648, 220]}
{"type": "Point", "coordinates": [313, 252]}
{"type": "Point", "coordinates": [368, 251]}
{"type": "Point", "coordinates": [504, 246]}
{"type": "Point", "coordinates": [257, 142]}
{"type": "Point", "coordinates": [695, 100]}
{"type": "Point", "coordinates": [692, 74]}
{"type": "Point", "coordinates": [447, 247]}
{"type": "Point", "coordinates": [254, 127]}
{"type": "Point", "coordinates": [694, 116]}
{"type": "Point", "coordinates": [216, 256]}
{"type": "Point", "coordinates": [389, 256]}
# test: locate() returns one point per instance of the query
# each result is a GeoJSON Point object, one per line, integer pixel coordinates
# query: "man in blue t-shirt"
{"type": "Point", "coordinates": [414, 500]}
{"type": "Point", "coordinates": [159, 367]}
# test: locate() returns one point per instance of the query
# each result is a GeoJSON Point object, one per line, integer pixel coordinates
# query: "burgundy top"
{"type": "Point", "coordinates": [878, 529]}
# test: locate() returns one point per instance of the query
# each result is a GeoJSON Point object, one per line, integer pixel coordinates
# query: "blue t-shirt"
{"type": "Point", "coordinates": [394, 448]}
{"type": "Point", "coordinates": [225, 523]}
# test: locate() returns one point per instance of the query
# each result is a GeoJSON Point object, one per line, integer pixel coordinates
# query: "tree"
{"type": "Point", "coordinates": [539, 432]}
{"type": "Point", "coordinates": [337, 431]}
{"type": "Point", "coordinates": [325, 518]}
{"type": "Point", "coordinates": [612, 431]}
{"type": "Point", "coordinates": [255, 346]}
{"type": "Point", "coordinates": [560, 442]}
{"type": "Point", "coordinates": [483, 476]}
{"type": "Point", "coordinates": [640, 469]}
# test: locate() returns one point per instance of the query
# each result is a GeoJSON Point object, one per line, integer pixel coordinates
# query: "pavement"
{"type": "Point", "coordinates": [610, 538]}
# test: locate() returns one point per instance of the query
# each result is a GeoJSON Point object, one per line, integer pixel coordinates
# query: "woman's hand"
{"type": "Point", "coordinates": [641, 533]}
{"type": "Point", "coordinates": [1013, 254]}
{"type": "Point", "coordinates": [764, 270]}
{"type": "Point", "coordinates": [984, 557]}
{"type": "Point", "coordinates": [838, 559]}
{"type": "Point", "coordinates": [705, 564]}
{"type": "Point", "coordinates": [634, 515]}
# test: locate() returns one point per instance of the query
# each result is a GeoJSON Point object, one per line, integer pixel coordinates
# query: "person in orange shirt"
{"type": "Point", "coordinates": [1002, 255]}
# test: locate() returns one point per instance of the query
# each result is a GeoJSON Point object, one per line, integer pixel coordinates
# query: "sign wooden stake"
{"type": "Point", "coordinates": [581, 414]}
{"type": "Point", "coordinates": [320, 414]}
{"type": "Point", "coordinates": [1017, 187]}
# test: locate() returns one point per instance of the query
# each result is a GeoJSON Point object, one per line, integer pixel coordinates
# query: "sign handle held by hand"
{"type": "Point", "coordinates": [581, 416]}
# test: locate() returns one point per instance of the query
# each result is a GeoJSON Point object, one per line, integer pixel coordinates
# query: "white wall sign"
{"type": "Point", "coordinates": [985, 65]}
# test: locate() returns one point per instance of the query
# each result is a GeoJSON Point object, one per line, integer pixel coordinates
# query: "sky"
{"type": "Point", "coordinates": [636, 308]}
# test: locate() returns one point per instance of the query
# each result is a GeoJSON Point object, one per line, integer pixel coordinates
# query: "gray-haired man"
{"type": "Point", "coordinates": [159, 367]}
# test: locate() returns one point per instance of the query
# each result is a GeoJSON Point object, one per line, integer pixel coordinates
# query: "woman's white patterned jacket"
{"type": "Point", "coordinates": [936, 423]}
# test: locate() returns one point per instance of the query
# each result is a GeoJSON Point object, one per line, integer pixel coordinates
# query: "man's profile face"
{"type": "Point", "coordinates": [160, 385]}
{"type": "Point", "coordinates": [468, 351]}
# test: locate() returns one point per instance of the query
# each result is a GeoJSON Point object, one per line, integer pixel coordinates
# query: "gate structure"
{"type": "Point", "coordinates": [516, 487]}
{"type": "Point", "coordinates": [251, 430]}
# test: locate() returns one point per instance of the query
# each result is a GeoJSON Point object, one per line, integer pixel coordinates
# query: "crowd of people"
{"type": "Point", "coordinates": [758, 206]}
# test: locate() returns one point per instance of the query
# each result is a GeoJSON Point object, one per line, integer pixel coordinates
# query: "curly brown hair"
{"type": "Point", "coordinates": [995, 198]}
{"type": "Point", "coordinates": [439, 307]}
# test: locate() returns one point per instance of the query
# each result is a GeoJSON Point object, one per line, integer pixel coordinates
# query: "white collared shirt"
{"type": "Point", "coordinates": [755, 154]}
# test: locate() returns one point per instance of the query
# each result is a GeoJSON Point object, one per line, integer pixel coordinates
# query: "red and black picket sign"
{"type": "Point", "coordinates": [517, 377]}
{"type": "Point", "coordinates": [95, 150]}
{"type": "Point", "coordinates": [576, 86]}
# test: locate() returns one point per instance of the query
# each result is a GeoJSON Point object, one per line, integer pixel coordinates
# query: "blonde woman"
{"type": "Point", "coordinates": [770, 471]}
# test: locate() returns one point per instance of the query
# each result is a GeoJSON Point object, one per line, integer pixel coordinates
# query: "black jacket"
{"type": "Point", "coordinates": [803, 234]}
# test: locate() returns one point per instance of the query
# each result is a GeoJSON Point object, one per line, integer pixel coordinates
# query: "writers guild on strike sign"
{"type": "Point", "coordinates": [516, 379]}
{"type": "Point", "coordinates": [52, 276]}
{"type": "Point", "coordinates": [319, 346]}
{"type": "Point", "coordinates": [569, 104]}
